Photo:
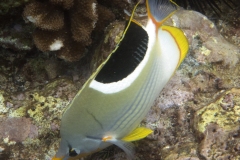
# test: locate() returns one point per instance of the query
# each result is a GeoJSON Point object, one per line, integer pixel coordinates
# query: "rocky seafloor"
{"type": "Point", "coordinates": [197, 115]}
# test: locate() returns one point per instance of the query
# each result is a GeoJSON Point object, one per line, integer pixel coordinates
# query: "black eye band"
{"type": "Point", "coordinates": [72, 152]}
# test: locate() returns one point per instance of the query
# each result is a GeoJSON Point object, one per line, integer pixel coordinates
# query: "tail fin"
{"type": "Point", "coordinates": [160, 10]}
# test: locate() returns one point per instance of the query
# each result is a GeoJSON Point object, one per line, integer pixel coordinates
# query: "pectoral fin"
{"type": "Point", "coordinates": [127, 147]}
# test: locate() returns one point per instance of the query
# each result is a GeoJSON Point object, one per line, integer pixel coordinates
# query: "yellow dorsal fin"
{"type": "Point", "coordinates": [180, 39]}
{"type": "Point", "coordinates": [137, 134]}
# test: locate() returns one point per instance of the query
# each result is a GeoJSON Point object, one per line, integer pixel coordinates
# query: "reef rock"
{"type": "Point", "coordinates": [195, 117]}
{"type": "Point", "coordinates": [219, 122]}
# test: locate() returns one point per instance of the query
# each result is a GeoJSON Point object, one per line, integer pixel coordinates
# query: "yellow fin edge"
{"type": "Point", "coordinates": [137, 134]}
{"type": "Point", "coordinates": [180, 39]}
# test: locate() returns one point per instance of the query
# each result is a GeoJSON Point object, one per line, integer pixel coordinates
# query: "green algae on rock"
{"type": "Point", "coordinates": [218, 124]}
{"type": "Point", "coordinates": [3, 108]}
{"type": "Point", "coordinates": [225, 112]}
{"type": "Point", "coordinates": [35, 115]}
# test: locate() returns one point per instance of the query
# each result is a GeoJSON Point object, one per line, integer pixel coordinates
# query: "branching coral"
{"type": "Point", "coordinates": [44, 15]}
{"type": "Point", "coordinates": [66, 4]}
{"type": "Point", "coordinates": [66, 26]}
{"type": "Point", "coordinates": [83, 24]}
{"type": "Point", "coordinates": [106, 17]}
{"type": "Point", "coordinates": [48, 40]}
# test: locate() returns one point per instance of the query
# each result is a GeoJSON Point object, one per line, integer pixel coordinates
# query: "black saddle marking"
{"type": "Point", "coordinates": [130, 52]}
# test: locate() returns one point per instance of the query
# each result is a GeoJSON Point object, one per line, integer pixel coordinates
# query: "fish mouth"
{"type": "Point", "coordinates": [82, 155]}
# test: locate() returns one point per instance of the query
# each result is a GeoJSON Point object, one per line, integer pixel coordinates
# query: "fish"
{"type": "Point", "coordinates": [118, 95]}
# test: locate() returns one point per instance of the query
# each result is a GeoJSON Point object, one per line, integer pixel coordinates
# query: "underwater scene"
{"type": "Point", "coordinates": [119, 80]}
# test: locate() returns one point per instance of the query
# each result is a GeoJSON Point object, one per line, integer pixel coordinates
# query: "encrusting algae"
{"type": "Point", "coordinates": [225, 112]}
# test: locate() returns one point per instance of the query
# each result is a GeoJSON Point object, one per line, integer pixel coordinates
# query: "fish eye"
{"type": "Point", "coordinates": [73, 152]}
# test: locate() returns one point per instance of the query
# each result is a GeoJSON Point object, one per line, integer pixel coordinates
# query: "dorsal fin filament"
{"type": "Point", "coordinates": [160, 10]}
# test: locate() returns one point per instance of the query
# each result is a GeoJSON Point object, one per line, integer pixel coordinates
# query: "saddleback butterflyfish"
{"type": "Point", "coordinates": [114, 100]}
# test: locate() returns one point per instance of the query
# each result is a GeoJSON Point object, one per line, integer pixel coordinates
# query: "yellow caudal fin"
{"type": "Point", "coordinates": [180, 39]}
{"type": "Point", "coordinates": [137, 134]}
{"type": "Point", "coordinates": [159, 10]}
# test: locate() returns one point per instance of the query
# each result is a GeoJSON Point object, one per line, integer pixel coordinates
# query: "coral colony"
{"type": "Point", "coordinates": [62, 27]}
{"type": "Point", "coordinates": [66, 27]}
